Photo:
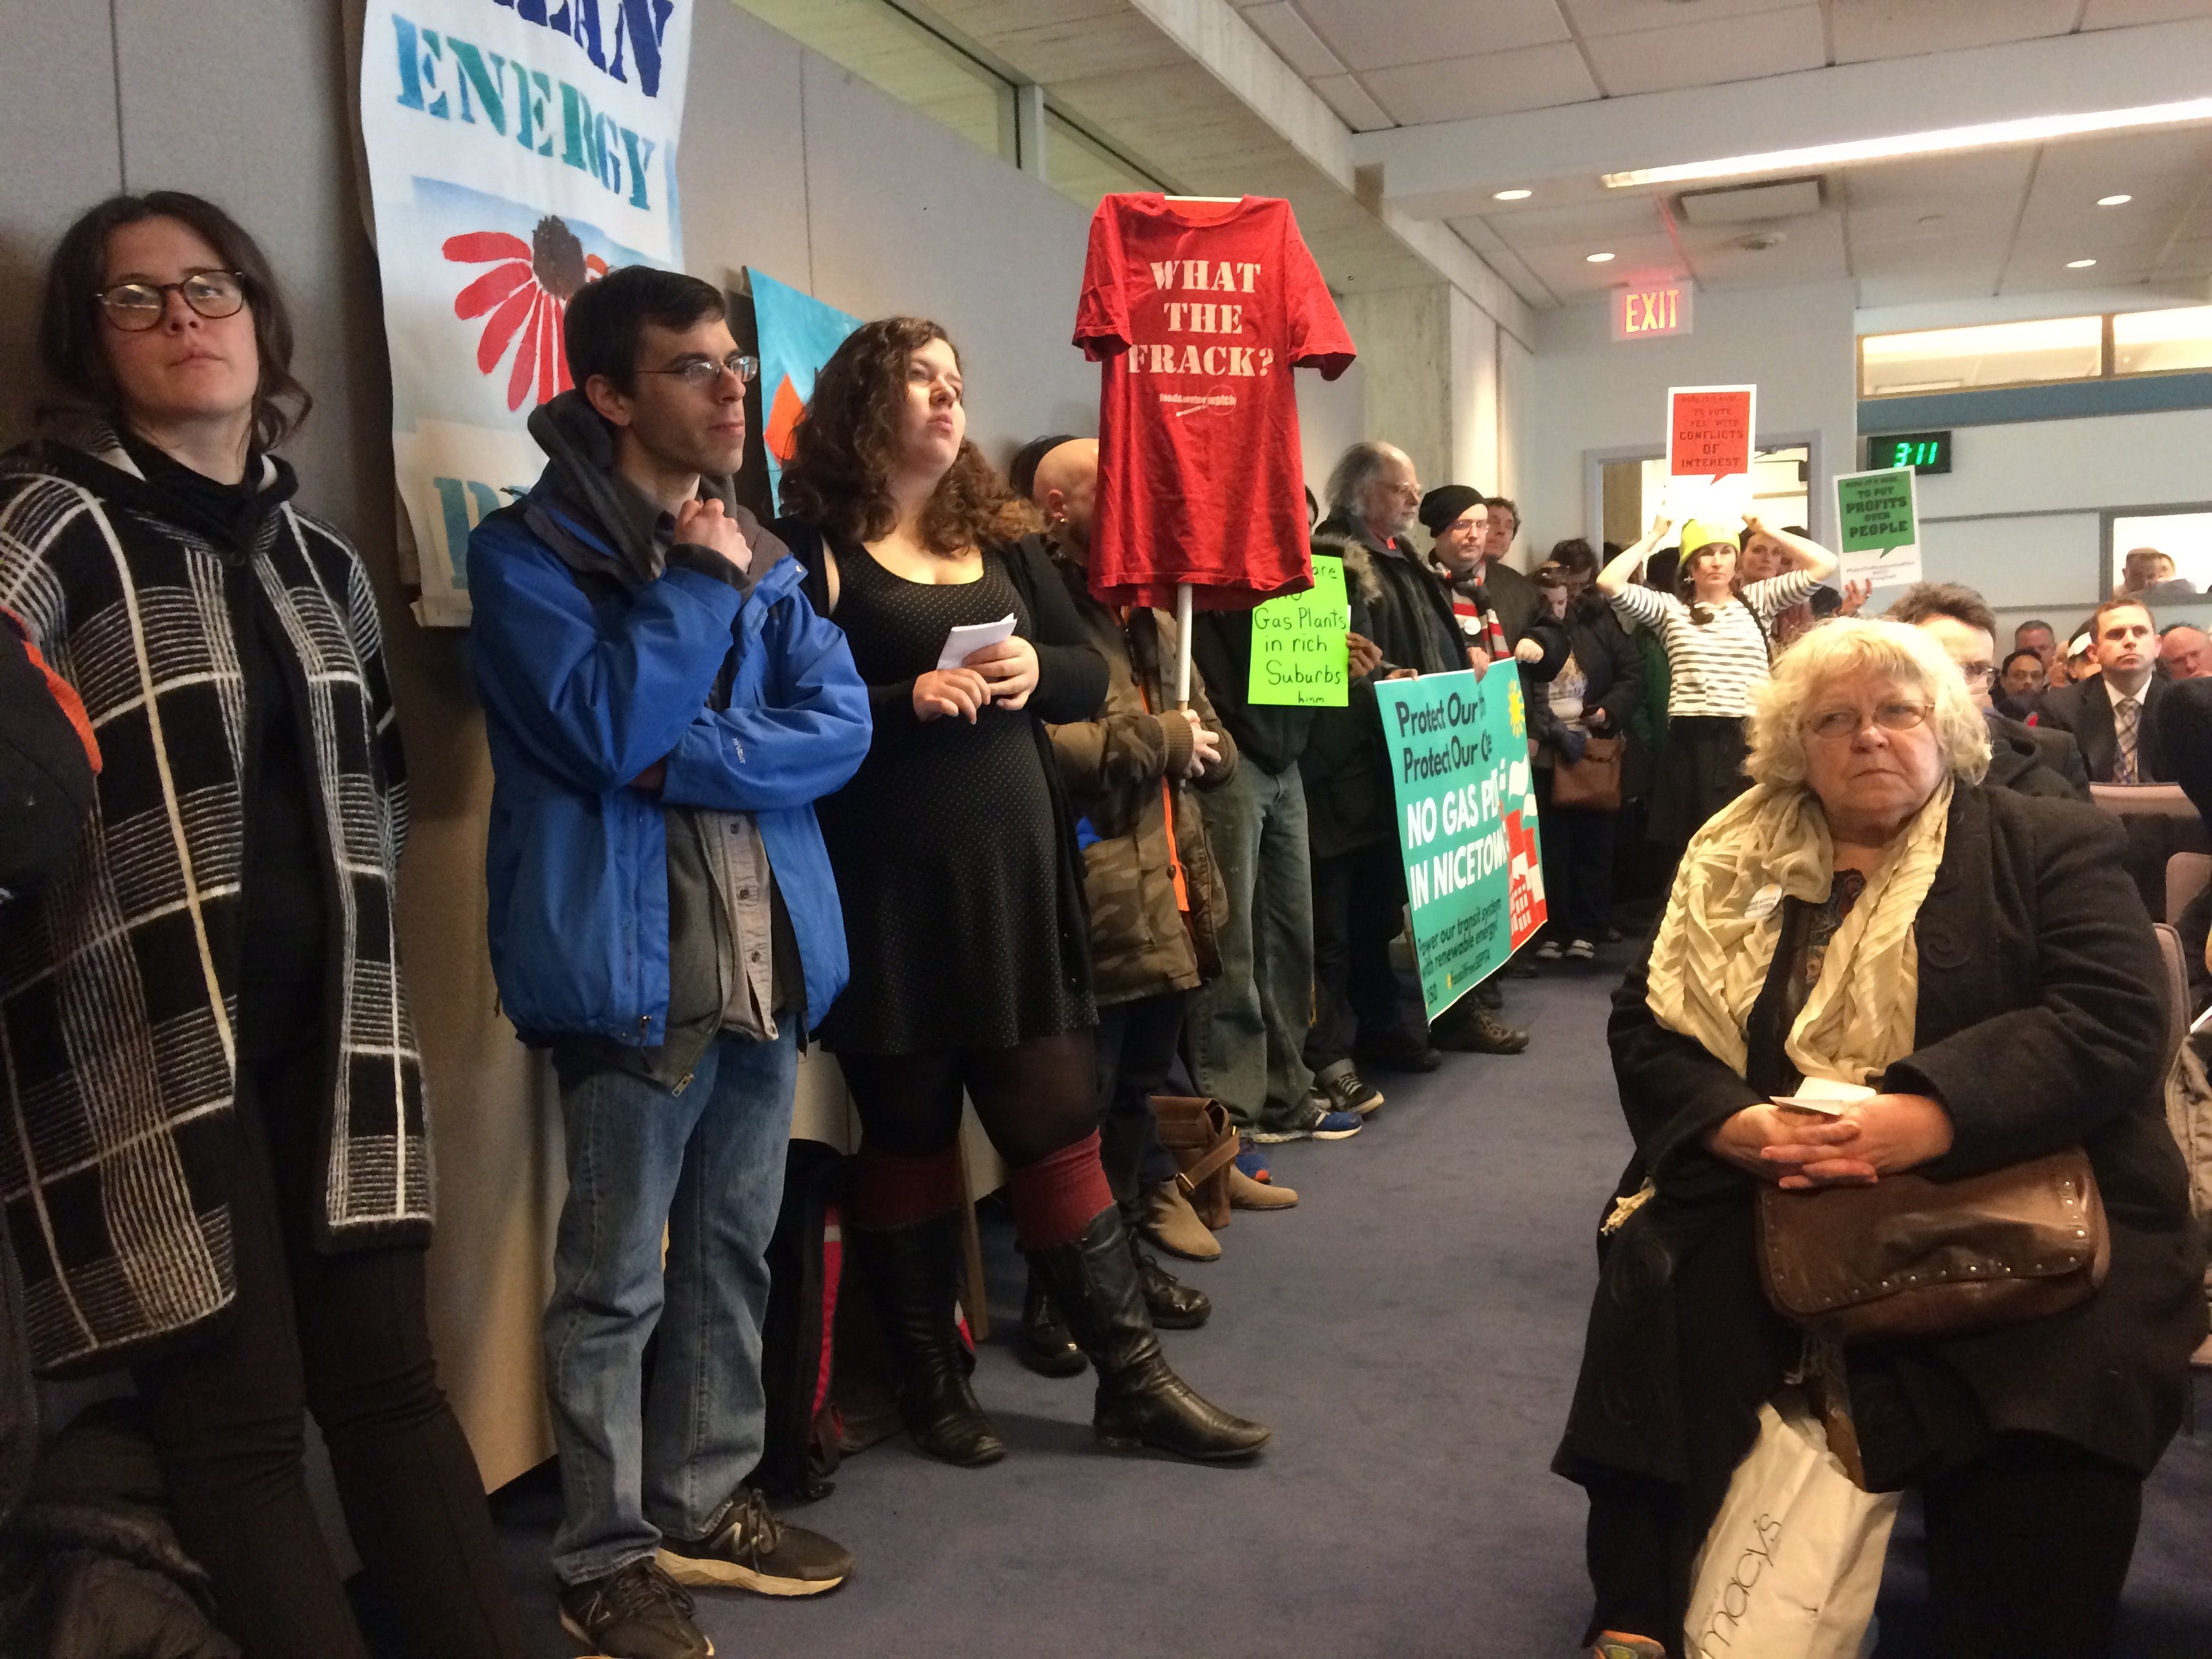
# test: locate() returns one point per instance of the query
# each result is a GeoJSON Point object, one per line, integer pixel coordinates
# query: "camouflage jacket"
{"type": "Point", "coordinates": [1115, 768]}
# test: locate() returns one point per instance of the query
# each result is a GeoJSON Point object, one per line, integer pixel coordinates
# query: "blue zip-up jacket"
{"type": "Point", "coordinates": [584, 690]}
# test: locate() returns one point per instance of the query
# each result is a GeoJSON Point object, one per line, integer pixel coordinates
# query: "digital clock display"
{"type": "Point", "coordinates": [1924, 452]}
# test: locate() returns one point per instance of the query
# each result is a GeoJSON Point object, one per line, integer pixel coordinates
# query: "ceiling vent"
{"type": "Point", "coordinates": [1745, 205]}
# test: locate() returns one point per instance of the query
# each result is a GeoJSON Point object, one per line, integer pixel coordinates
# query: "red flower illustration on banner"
{"type": "Point", "coordinates": [527, 292]}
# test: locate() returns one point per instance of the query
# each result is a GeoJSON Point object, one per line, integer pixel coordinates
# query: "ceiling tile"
{"type": "Point", "coordinates": [1639, 259]}
{"type": "Point", "coordinates": [1938, 202]}
{"type": "Point", "coordinates": [1708, 53]}
{"type": "Point", "coordinates": [1503, 260]}
{"type": "Point", "coordinates": [1869, 30]}
{"type": "Point", "coordinates": [1367, 35]}
{"type": "Point", "coordinates": [1595, 17]}
{"type": "Point", "coordinates": [1283, 27]}
{"type": "Point", "coordinates": [1352, 103]}
{"type": "Point", "coordinates": [1584, 227]}
{"type": "Point", "coordinates": [1497, 83]}
{"type": "Point", "coordinates": [1811, 251]}
{"type": "Point", "coordinates": [2122, 13]}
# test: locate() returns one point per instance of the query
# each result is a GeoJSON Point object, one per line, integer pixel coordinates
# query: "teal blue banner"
{"type": "Point", "coordinates": [1466, 823]}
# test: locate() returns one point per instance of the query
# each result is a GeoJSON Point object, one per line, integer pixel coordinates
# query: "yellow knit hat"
{"type": "Point", "coordinates": [1701, 532]}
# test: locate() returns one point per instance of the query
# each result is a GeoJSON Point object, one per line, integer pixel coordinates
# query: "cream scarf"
{"type": "Point", "coordinates": [1716, 942]}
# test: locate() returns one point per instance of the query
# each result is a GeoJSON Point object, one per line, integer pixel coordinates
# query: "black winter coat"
{"type": "Point", "coordinates": [2042, 1024]}
{"type": "Point", "coordinates": [1612, 663]}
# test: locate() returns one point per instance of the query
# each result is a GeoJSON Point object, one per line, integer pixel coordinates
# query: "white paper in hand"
{"type": "Point", "coordinates": [963, 641]}
{"type": "Point", "coordinates": [1825, 1096]}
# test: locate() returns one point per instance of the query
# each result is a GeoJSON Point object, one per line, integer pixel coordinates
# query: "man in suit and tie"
{"type": "Point", "coordinates": [2113, 714]}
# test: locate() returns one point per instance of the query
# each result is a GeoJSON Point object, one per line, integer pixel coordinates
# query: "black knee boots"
{"type": "Point", "coordinates": [1094, 1283]}
{"type": "Point", "coordinates": [915, 1274]}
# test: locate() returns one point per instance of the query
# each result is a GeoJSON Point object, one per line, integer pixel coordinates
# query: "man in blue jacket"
{"type": "Point", "coordinates": [663, 708]}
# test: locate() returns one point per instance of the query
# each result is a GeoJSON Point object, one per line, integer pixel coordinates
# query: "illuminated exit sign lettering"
{"type": "Point", "coordinates": [1641, 313]}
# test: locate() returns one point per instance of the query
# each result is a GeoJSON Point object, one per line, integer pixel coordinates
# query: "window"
{"type": "Point", "coordinates": [2185, 538]}
{"type": "Point", "coordinates": [1997, 354]}
{"type": "Point", "coordinates": [2026, 354]}
{"type": "Point", "coordinates": [1083, 169]}
{"type": "Point", "coordinates": [2160, 342]}
{"type": "Point", "coordinates": [914, 64]}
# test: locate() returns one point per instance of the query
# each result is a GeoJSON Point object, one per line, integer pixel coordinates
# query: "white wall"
{"type": "Point", "coordinates": [1474, 392]}
{"type": "Point", "coordinates": [1586, 394]}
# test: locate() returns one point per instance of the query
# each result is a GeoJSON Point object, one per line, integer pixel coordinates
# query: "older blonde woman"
{"type": "Point", "coordinates": [1868, 913]}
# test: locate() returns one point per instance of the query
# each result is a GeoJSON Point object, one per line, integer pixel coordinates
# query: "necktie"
{"type": "Point", "coordinates": [2127, 715]}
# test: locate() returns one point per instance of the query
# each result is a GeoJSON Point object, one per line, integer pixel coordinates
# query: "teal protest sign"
{"type": "Point", "coordinates": [1300, 647]}
{"type": "Point", "coordinates": [1466, 824]}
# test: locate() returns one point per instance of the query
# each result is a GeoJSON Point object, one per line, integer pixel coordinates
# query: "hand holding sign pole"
{"type": "Point", "coordinates": [1878, 524]}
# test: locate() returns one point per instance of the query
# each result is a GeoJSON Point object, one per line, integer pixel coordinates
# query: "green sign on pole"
{"type": "Point", "coordinates": [1299, 653]}
{"type": "Point", "coordinates": [1878, 522]}
{"type": "Point", "coordinates": [1466, 823]}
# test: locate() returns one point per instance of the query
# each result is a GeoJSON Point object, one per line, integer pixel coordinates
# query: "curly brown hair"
{"type": "Point", "coordinates": [847, 443]}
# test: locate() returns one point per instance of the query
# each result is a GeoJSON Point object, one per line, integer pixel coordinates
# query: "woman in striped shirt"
{"type": "Point", "coordinates": [1715, 632]}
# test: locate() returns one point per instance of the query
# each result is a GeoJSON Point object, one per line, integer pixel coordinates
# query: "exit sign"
{"type": "Point", "coordinates": [1924, 452]}
{"type": "Point", "coordinates": [1640, 313]}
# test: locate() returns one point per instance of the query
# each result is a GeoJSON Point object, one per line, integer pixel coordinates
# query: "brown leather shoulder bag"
{"type": "Point", "coordinates": [1910, 1257]}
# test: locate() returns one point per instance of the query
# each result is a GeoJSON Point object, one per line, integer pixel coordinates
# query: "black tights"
{"type": "Point", "coordinates": [1032, 1099]}
{"type": "Point", "coordinates": [345, 1336]}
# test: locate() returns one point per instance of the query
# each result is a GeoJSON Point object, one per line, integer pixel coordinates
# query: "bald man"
{"type": "Point", "coordinates": [1135, 773]}
{"type": "Point", "coordinates": [2186, 652]}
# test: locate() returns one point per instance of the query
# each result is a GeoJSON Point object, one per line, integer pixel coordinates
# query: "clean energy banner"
{"type": "Point", "coordinates": [1466, 823]}
{"type": "Point", "coordinates": [517, 149]}
{"type": "Point", "coordinates": [798, 333]}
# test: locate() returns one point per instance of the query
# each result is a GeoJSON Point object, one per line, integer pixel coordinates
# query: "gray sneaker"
{"type": "Point", "coordinates": [750, 1549]}
{"type": "Point", "coordinates": [1309, 1120]}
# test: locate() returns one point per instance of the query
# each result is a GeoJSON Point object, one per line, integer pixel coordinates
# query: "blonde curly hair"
{"type": "Point", "coordinates": [1846, 647]}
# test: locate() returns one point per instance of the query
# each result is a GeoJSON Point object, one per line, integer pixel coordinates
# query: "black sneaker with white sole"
{"type": "Point", "coordinates": [1342, 1089]}
{"type": "Point", "coordinates": [752, 1550]}
{"type": "Point", "coordinates": [633, 1613]}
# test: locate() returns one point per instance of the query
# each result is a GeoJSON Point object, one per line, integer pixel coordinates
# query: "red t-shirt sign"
{"type": "Point", "coordinates": [1198, 312]}
{"type": "Point", "coordinates": [1709, 430]}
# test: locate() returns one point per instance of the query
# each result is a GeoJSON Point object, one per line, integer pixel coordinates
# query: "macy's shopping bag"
{"type": "Point", "coordinates": [1793, 1563]}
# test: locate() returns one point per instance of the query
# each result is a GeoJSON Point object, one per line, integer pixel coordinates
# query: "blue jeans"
{"type": "Point", "coordinates": [707, 1164]}
{"type": "Point", "coordinates": [1246, 1029]}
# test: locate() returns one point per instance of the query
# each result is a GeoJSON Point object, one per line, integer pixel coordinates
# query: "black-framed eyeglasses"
{"type": "Point", "coordinates": [1835, 725]}
{"type": "Point", "coordinates": [136, 307]}
{"type": "Point", "coordinates": [700, 372]}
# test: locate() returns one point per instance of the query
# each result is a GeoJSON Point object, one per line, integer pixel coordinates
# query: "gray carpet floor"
{"type": "Point", "coordinates": [1411, 1330]}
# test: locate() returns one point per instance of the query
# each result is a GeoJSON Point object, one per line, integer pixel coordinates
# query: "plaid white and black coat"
{"type": "Point", "coordinates": [118, 980]}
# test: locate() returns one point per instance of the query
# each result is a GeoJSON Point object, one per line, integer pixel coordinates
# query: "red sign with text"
{"type": "Point", "coordinates": [1709, 430]}
{"type": "Point", "coordinates": [1642, 314]}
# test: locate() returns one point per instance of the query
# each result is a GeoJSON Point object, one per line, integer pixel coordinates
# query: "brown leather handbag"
{"type": "Point", "coordinates": [1909, 1257]}
{"type": "Point", "coordinates": [1199, 1133]}
{"type": "Point", "coordinates": [1591, 784]}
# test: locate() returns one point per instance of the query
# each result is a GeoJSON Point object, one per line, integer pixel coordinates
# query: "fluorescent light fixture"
{"type": "Point", "coordinates": [2079, 264]}
{"type": "Point", "coordinates": [2028, 129]}
{"type": "Point", "coordinates": [1596, 258]}
{"type": "Point", "coordinates": [1512, 195]}
{"type": "Point", "coordinates": [2114, 200]}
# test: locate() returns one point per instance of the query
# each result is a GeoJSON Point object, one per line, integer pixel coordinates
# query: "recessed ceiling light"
{"type": "Point", "coordinates": [2114, 200]}
{"type": "Point", "coordinates": [1597, 259]}
{"type": "Point", "coordinates": [2034, 129]}
{"type": "Point", "coordinates": [2079, 264]}
{"type": "Point", "coordinates": [1513, 195]}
